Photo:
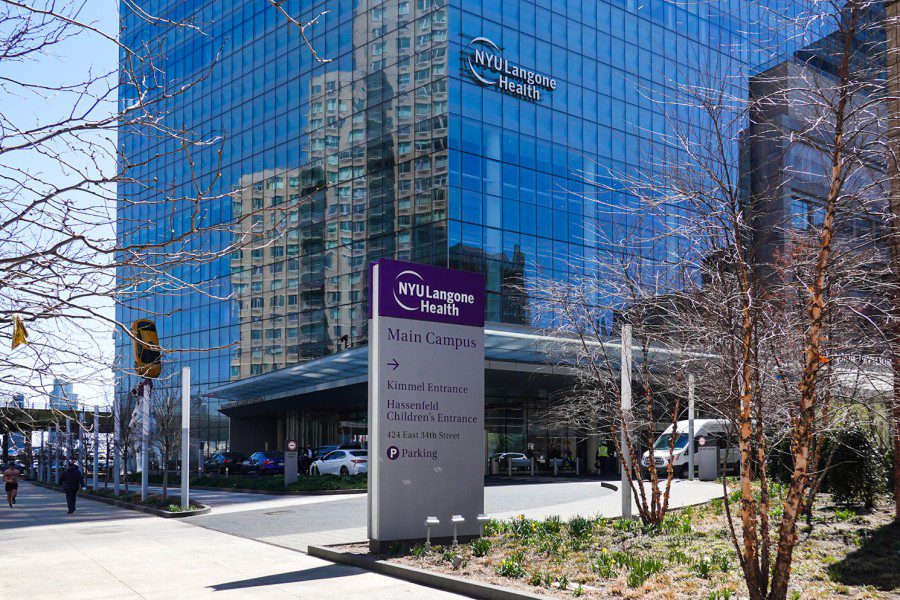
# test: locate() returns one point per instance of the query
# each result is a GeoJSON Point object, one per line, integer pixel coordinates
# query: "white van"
{"type": "Point", "coordinates": [707, 432]}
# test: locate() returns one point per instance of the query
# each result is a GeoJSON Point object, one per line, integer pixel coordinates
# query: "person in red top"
{"type": "Point", "coordinates": [11, 479]}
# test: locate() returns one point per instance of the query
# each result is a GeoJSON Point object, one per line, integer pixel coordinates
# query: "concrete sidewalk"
{"type": "Point", "coordinates": [107, 552]}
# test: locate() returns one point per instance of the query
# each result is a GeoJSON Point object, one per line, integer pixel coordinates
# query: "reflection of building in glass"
{"type": "Point", "coordinates": [374, 185]}
{"type": "Point", "coordinates": [394, 149]}
{"type": "Point", "coordinates": [787, 159]}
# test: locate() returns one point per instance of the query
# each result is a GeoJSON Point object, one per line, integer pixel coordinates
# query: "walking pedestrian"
{"type": "Point", "coordinates": [11, 479]}
{"type": "Point", "coordinates": [71, 481]}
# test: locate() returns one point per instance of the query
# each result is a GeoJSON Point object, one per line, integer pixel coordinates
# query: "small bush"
{"type": "Point", "coordinates": [580, 528]}
{"type": "Point", "coordinates": [481, 546]}
{"type": "Point", "coordinates": [551, 525]}
{"type": "Point", "coordinates": [419, 550]}
{"type": "Point", "coordinates": [857, 473]}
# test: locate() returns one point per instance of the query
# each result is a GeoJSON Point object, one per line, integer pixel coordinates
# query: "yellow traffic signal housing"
{"type": "Point", "coordinates": [147, 358]}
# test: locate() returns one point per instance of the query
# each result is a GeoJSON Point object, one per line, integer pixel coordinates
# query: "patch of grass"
{"type": "Point", "coordinates": [626, 525]}
{"type": "Point", "coordinates": [844, 514]}
{"type": "Point", "coordinates": [642, 569]}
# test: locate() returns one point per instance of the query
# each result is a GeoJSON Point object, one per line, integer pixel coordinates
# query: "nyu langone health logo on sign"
{"type": "Point", "coordinates": [427, 293]}
{"type": "Point", "coordinates": [488, 67]}
{"type": "Point", "coordinates": [412, 294]}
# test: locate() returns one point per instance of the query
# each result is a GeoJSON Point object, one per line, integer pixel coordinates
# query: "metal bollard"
{"type": "Point", "coordinates": [555, 466]}
{"type": "Point", "coordinates": [509, 464]}
{"type": "Point", "coordinates": [577, 466]}
{"type": "Point", "coordinates": [532, 466]}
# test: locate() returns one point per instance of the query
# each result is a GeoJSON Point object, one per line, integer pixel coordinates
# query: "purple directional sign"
{"type": "Point", "coordinates": [426, 293]}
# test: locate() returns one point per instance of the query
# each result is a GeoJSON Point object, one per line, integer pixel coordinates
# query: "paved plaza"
{"type": "Point", "coordinates": [249, 546]}
{"type": "Point", "coordinates": [111, 553]}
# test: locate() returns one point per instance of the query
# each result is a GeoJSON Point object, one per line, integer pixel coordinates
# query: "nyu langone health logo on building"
{"type": "Point", "coordinates": [427, 293]}
{"type": "Point", "coordinates": [489, 68]}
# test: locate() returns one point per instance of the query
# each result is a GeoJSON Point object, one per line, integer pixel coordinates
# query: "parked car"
{"type": "Point", "coordinates": [322, 451]}
{"type": "Point", "coordinates": [220, 461]}
{"type": "Point", "coordinates": [264, 463]}
{"type": "Point", "coordinates": [341, 462]}
{"type": "Point", "coordinates": [714, 432]}
{"type": "Point", "coordinates": [519, 460]}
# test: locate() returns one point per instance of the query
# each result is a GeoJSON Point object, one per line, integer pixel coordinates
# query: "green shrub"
{"type": "Point", "coordinates": [536, 579]}
{"type": "Point", "coordinates": [551, 525]}
{"type": "Point", "coordinates": [580, 528]}
{"type": "Point", "coordinates": [856, 475]}
{"type": "Point", "coordinates": [419, 550]}
{"type": "Point", "coordinates": [481, 546]}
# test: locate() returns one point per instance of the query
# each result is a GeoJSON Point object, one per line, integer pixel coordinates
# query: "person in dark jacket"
{"type": "Point", "coordinates": [71, 481]}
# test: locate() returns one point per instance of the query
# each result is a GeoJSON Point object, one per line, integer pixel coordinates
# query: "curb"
{"type": "Point", "coordinates": [157, 512]}
{"type": "Point", "coordinates": [447, 583]}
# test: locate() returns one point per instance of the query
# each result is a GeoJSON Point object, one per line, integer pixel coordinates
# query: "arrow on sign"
{"type": "Point", "coordinates": [394, 364]}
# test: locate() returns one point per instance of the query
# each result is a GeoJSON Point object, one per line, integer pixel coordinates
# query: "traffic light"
{"type": "Point", "coordinates": [147, 358]}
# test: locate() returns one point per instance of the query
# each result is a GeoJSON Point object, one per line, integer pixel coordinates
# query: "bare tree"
{"type": "Point", "coordinates": [782, 329]}
{"type": "Point", "coordinates": [620, 285]}
{"type": "Point", "coordinates": [165, 411]}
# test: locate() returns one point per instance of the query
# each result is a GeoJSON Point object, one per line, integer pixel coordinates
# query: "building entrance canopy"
{"type": "Point", "coordinates": [506, 348]}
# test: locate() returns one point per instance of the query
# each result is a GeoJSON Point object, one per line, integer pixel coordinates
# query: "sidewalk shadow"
{"type": "Point", "coordinates": [312, 574]}
{"type": "Point", "coordinates": [875, 563]}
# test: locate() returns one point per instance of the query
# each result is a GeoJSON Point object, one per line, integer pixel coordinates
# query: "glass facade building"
{"type": "Point", "coordinates": [468, 134]}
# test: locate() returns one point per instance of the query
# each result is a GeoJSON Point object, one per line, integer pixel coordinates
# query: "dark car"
{"type": "Point", "coordinates": [264, 463]}
{"type": "Point", "coordinates": [321, 451]}
{"type": "Point", "coordinates": [220, 461]}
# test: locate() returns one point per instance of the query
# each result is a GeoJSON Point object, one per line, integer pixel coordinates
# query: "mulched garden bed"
{"type": "Point", "coordinates": [845, 555]}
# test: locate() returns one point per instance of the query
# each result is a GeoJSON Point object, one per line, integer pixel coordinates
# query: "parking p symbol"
{"type": "Point", "coordinates": [393, 452]}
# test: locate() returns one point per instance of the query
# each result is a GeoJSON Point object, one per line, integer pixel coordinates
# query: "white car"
{"type": "Point", "coordinates": [341, 462]}
{"type": "Point", "coordinates": [519, 460]}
